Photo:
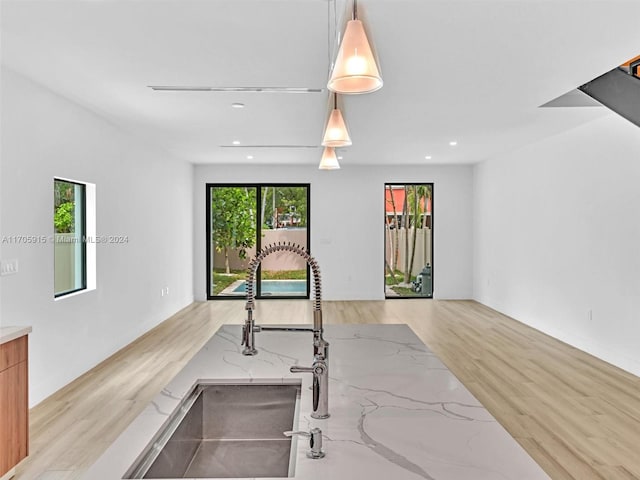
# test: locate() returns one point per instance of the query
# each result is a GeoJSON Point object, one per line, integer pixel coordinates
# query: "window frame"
{"type": "Point", "coordinates": [258, 186]}
{"type": "Point", "coordinates": [432, 221]}
{"type": "Point", "coordinates": [83, 236]}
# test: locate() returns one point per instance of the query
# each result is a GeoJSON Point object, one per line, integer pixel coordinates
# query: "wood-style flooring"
{"type": "Point", "coordinates": [577, 416]}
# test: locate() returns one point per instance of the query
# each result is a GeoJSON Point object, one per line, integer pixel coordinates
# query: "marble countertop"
{"type": "Point", "coordinates": [11, 333]}
{"type": "Point", "coordinates": [396, 411]}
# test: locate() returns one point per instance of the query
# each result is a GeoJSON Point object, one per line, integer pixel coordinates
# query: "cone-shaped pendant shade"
{"type": "Point", "coordinates": [329, 160]}
{"type": "Point", "coordinates": [355, 70]}
{"type": "Point", "coordinates": [336, 133]}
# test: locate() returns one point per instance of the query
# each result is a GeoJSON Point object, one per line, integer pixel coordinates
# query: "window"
{"type": "Point", "coordinates": [69, 222]}
{"type": "Point", "coordinates": [243, 218]}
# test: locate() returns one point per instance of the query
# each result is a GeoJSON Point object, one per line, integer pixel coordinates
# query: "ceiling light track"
{"type": "Point", "coordinates": [269, 146]}
{"type": "Point", "coordinates": [172, 88]}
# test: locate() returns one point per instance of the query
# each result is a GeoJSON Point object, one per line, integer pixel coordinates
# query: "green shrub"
{"type": "Point", "coordinates": [63, 218]}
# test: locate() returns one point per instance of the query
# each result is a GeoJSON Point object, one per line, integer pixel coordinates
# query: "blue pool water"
{"type": "Point", "coordinates": [278, 287]}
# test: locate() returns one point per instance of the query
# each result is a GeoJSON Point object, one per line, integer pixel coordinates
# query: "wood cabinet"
{"type": "Point", "coordinates": [14, 404]}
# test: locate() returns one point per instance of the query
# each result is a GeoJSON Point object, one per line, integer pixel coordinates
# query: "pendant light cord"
{"type": "Point", "coordinates": [329, 35]}
{"type": "Point", "coordinates": [335, 33]}
{"type": "Point", "coordinates": [332, 36]}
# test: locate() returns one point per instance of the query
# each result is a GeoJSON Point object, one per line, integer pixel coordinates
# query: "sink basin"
{"type": "Point", "coordinates": [229, 430]}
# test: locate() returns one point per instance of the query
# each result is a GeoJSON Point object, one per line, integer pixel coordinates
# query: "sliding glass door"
{"type": "Point", "coordinates": [408, 227]}
{"type": "Point", "coordinates": [233, 229]}
{"type": "Point", "coordinates": [284, 214]}
{"type": "Point", "coordinates": [242, 219]}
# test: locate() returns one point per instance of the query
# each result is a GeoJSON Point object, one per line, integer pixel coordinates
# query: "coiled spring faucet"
{"type": "Point", "coordinates": [320, 367]}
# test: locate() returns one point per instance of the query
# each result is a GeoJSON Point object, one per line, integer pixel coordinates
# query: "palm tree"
{"type": "Point", "coordinates": [416, 216]}
{"type": "Point", "coordinates": [425, 192]}
{"type": "Point", "coordinates": [396, 245]}
{"type": "Point", "coordinates": [388, 263]}
{"type": "Point", "coordinates": [405, 221]}
{"type": "Point", "coordinates": [419, 196]}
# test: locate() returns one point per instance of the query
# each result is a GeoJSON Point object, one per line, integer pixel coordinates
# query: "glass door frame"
{"type": "Point", "coordinates": [384, 266]}
{"type": "Point", "coordinates": [259, 246]}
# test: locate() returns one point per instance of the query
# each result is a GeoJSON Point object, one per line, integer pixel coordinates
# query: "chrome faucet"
{"type": "Point", "coordinates": [320, 366]}
{"type": "Point", "coordinates": [320, 371]}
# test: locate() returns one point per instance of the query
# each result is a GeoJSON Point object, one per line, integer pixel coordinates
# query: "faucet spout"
{"type": "Point", "coordinates": [320, 368]}
{"type": "Point", "coordinates": [249, 330]}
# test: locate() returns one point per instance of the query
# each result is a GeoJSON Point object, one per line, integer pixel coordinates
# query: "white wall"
{"type": "Point", "coordinates": [557, 238]}
{"type": "Point", "coordinates": [347, 223]}
{"type": "Point", "coordinates": [141, 192]}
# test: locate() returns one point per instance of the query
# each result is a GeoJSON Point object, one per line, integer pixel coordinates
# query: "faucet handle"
{"type": "Point", "coordinates": [318, 367]}
{"type": "Point", "coordinates": [315, 442]}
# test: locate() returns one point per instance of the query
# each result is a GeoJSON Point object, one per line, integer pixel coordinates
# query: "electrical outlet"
{"type": "Point", "coordinates": [9, 267]}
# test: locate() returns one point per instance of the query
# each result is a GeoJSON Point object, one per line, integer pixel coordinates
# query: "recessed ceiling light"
{"type": "Point", "coordinates": [428, 157]}
{"type": "Point", "coordinates": [236, 142]}
{"type": "Point", "coordinates": [453, 143]}
{"type": "Point", "coordinates": [237, 105]}
{"type": "Point", "coordinates": [339, 157]}
{"type": "Point", "coordinates": [249, 157]}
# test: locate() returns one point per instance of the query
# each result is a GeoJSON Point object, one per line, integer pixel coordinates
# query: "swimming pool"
{"type": "Point", "coordinates": [278, 287]}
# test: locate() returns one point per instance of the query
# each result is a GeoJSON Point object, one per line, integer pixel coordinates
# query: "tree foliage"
{"type": "Point", "coordinates": [233, 222]}
{"type": "Point", "coordinates": [288, 202]}
{"type": "Point", "coordinates": [63, 218]}
{"type": "Point", "coordinates": [64, 206]}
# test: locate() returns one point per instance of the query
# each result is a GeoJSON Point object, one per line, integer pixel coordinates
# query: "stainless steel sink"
{"type": "Point", "coordinates": [225, 431]}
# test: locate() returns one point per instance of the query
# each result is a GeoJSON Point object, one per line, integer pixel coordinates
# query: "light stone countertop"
{"type": "Point", "coordinates": [11, 333]}
{"type": "Point", "coordinates": [396, 411]}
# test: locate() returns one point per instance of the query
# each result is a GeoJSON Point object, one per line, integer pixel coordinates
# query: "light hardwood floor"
{"type": "Point", "coordinates": [577, 416]}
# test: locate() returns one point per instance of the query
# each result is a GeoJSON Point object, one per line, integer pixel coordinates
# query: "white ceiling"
{"type": "Point", "coordinates": [471, 71]}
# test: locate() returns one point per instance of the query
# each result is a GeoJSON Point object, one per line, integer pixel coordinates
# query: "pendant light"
{"type": "Point", "coordinates": [355, 70]}
{"type": "Point", "coordinates": [336, 133]}
{"type": "Point", "coordinates": [329, 160]}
